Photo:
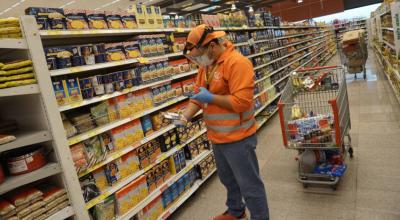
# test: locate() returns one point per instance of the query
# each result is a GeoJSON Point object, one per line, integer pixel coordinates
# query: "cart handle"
{"type": "Point", "coordinates": [317, 68]}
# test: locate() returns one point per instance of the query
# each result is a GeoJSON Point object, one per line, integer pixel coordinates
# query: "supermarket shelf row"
{"type": "Point", "coordinates": [260, 124]}
{"type": "Point", "coordinates": [267, 104]}
{"type": "Point", "coordinates": [13, 44]}
{"type": "Point", "coordinates": [25, 138]}
{"type": "Point", "coordinates": [101, 129]}
{"type": "Point", "coordinates": [283, 57]}
{"type": "Point", "coordinates": [56, 34]}
{"type": "Point", "coordinates": [13, 182]}
{"type": "Point", "coordinates": [185, 196]}
{"type": "Point", "coordinates": [157, 192]}
{"type": "Point", "coordinates": [20, 90]}
{"type": "Point", "coordinates": [125, 91]}
{"type": "Point", "coordinates": [131, 178]}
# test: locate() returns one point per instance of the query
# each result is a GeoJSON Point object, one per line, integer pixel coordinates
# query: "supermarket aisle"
{"type": "Point", "coordinates": [370, 190]}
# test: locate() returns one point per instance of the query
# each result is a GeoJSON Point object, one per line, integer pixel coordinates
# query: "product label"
{"type": "Point", "coordinates": [17, 166]}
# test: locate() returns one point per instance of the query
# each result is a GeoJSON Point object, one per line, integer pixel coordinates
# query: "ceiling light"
{"type": "Point", "coordinates": [172, 13]}
{"type": "Point", "coordinates": [299, 1]}
{"type": "Point", "coordinates": [251, 9]}
{"type": "Point", "coordinates": [211, 8]}
{"type": "Point", "coordinates": [233, 7]}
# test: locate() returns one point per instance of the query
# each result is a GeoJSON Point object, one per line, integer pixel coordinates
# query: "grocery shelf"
{"type": "Point", "coordinates": [115, 155]}
{"type": "Point", "coordinates": [389, 44]}
{"type": "Point", "coordinates": [125, 91]}
{"type": "Point", "coordinates": [13, 182]}
{"type": "Point", "coordinates": [85, 68]}
{"type": "Point", "coordinates": [282, 47]}
{"type": "Point", "coordinates": [157, 192]}
{"type": "Point", "coordinates": [112, 189]}
{"type": "Point", "coordinates": [62, 214]}
{"type": "Point", "coordinates": [25, 138]}
{"type": "Point", "coordinates": [13, 43]}
{"type": "Point", "coordinates": [241, 44]}
{"type": "Point", "coordinates": [258, 111]}
{"type": "Point", "coordinates": [287, 55]}
{"type": "Point", "coordinates": [185, 197]}
{"type": "Point", "coordinates": [117, 123]}
{"type": "Point", "coordinates": [20, 90]}
{"type": "Point", "coordinates": [54, 34]}
{"type": "Point", "coordinates": [259, 125]}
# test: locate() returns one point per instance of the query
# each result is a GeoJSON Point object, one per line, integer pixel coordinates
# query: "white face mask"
{"type": "Point", "coordinates": [204, 60]}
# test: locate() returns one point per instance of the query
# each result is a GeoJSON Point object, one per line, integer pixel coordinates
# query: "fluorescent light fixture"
{"type": "Point", "coordinates": [172, 13]}
{"type": "Point", "coordinates": [299, 1]}
{"type": "Point", "coordinates": [211, 8]}
{"type": "Point", "coordinates": [15, 5]}
{"type": "Point", "coordinates": [194, 7]}
{"type": "Point", "coordinates": [66, 4]}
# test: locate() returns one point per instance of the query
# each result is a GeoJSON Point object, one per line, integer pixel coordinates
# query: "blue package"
{"type": "Point", "coordinates": [147, 126]}
{"type": "Point", "coordinates": [181, 186]}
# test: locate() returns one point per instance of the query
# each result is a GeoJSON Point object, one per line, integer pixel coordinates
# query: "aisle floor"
{"type": "Point", "coordinates": [370, 189]}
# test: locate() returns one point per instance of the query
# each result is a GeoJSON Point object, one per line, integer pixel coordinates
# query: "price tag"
{"type": "Point", "coordinates": [119, 62]}
{"type": "Point", "coordinates": [143, 60]}
{"type": "Point", "coordinates": [75, 69]}
{"type": "Point", "coordinates": [76, 104]}
{"type": "Point", "coordinates": [162, 157]}
{"type": "Point", "coordinates": [73, 141]}
{"type": "Point", "coordinates": [54, 32]}
{"type": "Point", "coordinates": [180, 30]}
{"type": "Point", "coordinates": [97, 200]}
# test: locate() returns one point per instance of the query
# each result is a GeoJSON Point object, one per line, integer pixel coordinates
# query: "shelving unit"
{"type": "Point", "coordinates": [310, 43]}
{"type": "Point", "coordinates": [384, 26]}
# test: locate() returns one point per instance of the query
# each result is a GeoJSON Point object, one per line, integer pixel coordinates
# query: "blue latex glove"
{"type": "Point", "coordinates": [204, 96]}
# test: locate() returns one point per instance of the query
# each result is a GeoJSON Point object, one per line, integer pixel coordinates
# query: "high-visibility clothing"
{"type": "Point", "coordinates": [234, 77]}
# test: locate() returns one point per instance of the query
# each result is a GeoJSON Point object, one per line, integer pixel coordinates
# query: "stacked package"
{"type": "Point", "coordinates": [33, 203]}
{"type": "Point", "coordinates": [355, 50]}
{"type": "Point", "coordinates": [16, 73]}
{"type": "Point", "coordinates": [9, 28]}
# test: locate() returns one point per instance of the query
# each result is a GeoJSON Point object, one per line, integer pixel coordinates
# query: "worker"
{"type": "Point", "coordinates": [225, 83]}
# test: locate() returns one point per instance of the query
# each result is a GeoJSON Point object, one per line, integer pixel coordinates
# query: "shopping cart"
{"type": "Point", "coordinates": [315, 120]}
{"type": "Point", "coordinates": [354, 54]}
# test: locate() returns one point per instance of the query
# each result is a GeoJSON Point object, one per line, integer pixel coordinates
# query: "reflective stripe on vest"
{"type": "Point", "coordinates": [228, 116]}
{"type": "Point", "coordinates": [231, 128]}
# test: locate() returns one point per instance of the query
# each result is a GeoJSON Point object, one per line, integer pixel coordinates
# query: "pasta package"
{"type": "Point", "coordinates": [129, 20]}
{"type": "Point", "coordinates": [10, 30]}
{"type": "Point", "coordinates": [76, 19]}
{"type": "Point", "coordinates": [16, 65]}
{"type": "Point", "coordinates": [24, 195]}
{"type": "Point", "coordinates": [6, 208]}
{"type": "Point", "coordinates": [17, 77]}
{"type": "Point", "coordinates": [114, 20]}
{"type": "Point", "coordinates": [17, 83]}
{"type": "Point", "coordinates": [48, 18]}
{"type": "Point", "coordinates": [96, 19]}
{"type": "Point", "coordinates": [115, 51]}
{"type": "Point", "coordinates": [10, 20]}
{"type": "Point", "coordinates": [51, 193]}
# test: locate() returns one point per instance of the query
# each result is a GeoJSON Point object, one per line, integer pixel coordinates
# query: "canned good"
{"type": "Point", "coordinates": [25, 160]}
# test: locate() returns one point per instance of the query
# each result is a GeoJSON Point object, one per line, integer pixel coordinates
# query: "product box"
{"type": "Point", "coordinates": [147, 126]}
{"type": "Point", "coordinates": [73, 91]}
{"type": "Point", "coordinates": [179, 44]}
{"type": "Point", "coordinates": [101, 179]}
{"type": "Point", "coordinates": [112, 172]}
{"type": "Point", "coordinates": [96, 19]}
{"type": "Point", "coordinates": [106, 141]}
{"type": "Point", "coordinates": [88, 187]}
{"type": "Point", "coordinates": [113, 20]}
{"type": "Point", "coordinates": [129, 164]}
{"type": "Point", "coordinates": [143, 157]}
{"type": "Point", "coordinates": [151, 180]}
{"type": "Point", "coordinates": [160, 70]}
{"type": "Point", "coordinates": [139, 12]}
{"type": "Point", "coordinates": [76, 19]}
{"type": "Point", "coordinates": [124, 198]}
{"type": "Point", "coordinates": [150, 18]}
{"type": "Point", "coordinates": [128, 20]}
{"type": "Point", "coordinates": [118, 137]}
{"type": "Point", "coordinates": [112, 110]}
{"type": "Point", "coordinates": [60, 92]}
{"type": "Point", "coordinates": [189, 87]}
{"type": "Point", "coordinates": [115, 51]}
{"type": "Point", "coordinates": [132, 49]}
{"type": "Point", "coordinates": [148, 99]}
{"type": "Point", "coordinates": [156, 11]}
{"type": "Point", "coordinates": [191, 151]}
{"type": "Point", "coordinates": [159, 175]}
{"type": "Point", "coordinates": [48, 18]}
{"type": "Point", "coordinates": [122, 106]}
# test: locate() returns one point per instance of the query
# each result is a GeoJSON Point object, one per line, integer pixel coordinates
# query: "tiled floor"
{"type": "Point", "coordinates": [370, 189]}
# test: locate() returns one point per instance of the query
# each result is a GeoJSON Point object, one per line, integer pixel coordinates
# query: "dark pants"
{"type": "Point", "coordinates": [239, 172]}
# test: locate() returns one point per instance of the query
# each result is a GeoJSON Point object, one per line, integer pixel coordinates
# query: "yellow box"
{"type": "Point", "coordinates": [156, 11]}
{"type": "Point", "coordinates": [139, 11]}
{"type": "Point", "coordinates": [150, 17]}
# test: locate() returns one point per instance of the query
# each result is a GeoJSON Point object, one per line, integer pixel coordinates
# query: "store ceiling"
{"type": "Point", "coordinates": [290, 10]}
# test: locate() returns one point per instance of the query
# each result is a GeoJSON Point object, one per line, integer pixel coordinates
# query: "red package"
{"type": "Point", "coordinates": [5, 207]}
{"type": "Point", "coordinates": [24, 195]}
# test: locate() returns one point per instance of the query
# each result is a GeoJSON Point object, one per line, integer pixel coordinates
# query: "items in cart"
{"type": "Point", "coordinates": [33, 202]}
{"type": "Point", "coordinates": [10, 28]}
{"type": "Point", "coordinates": [16, 73]}
{"type": "Point", "coordinates": [311, 130]}
{"type": "Point", "coordinates": [320, 82]}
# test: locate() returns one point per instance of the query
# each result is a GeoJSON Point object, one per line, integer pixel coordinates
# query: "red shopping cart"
{"type": "Point", "coordinates": [315, 120]}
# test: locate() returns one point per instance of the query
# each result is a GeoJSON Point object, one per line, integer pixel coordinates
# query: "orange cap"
{"type": "Point", "coordinates": [196, 33]}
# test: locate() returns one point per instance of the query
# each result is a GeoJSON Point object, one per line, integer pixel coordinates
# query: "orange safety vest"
{"type": "Point", "coordinates": [234, 76]}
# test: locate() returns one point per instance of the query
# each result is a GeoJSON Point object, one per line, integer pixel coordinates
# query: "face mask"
{"type": "Point", "coordinates": [204, 60]}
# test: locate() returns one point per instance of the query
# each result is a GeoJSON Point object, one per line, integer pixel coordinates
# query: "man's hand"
{"type": "Point", "coordinates": [204, 96]}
